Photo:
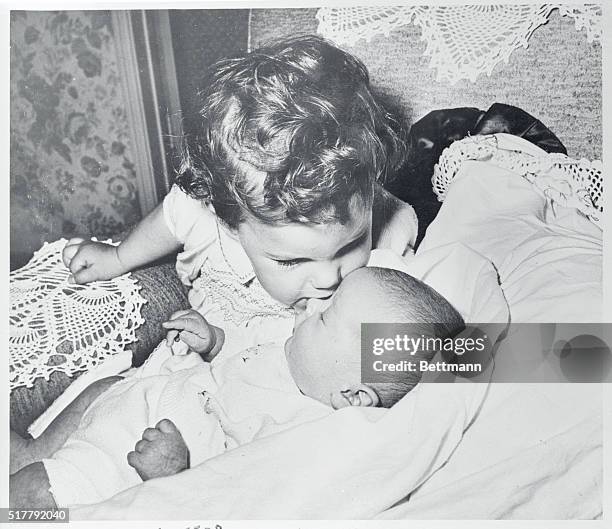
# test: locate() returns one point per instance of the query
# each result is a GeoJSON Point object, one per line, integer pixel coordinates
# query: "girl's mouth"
{"type": "Point", "coordinates": [300, 305]}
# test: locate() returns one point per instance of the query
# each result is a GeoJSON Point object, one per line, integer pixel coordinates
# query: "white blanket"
{"type": "Point", "coordinates": [530, 452]}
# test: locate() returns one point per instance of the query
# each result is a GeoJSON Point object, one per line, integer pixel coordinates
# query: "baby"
{"type": "Point", "coordinates": [201, 410]}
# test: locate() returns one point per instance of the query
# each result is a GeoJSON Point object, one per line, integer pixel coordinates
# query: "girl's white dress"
{"type": "Point", "coordinates": [223, 285]}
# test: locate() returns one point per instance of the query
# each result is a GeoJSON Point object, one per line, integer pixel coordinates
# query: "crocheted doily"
{"type": "Point", "coordinates": [564, 180]}
{"type": "Point", "coordinates": [463, 41]}
{"type": "Point", "coordinates": [56, 326]}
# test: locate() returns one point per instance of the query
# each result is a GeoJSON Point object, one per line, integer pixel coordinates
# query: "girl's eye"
{"type": "Point", "coordinates": [289, 263]}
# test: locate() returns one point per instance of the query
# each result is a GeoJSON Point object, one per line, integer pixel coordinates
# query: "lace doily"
{"type": "Point", "coordinates": [587, 17]}
{"type": "Point", "coordinates": [564, 180]}
{"type": "Point", "coordinates": [463, 41]}
{"type": "Point", "coordinates": [56, 326]}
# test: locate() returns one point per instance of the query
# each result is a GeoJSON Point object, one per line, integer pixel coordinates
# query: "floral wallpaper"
{"type": "Point", "coordinates": [71, 165]}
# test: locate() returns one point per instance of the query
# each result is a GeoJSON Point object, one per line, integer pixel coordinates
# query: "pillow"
{"type": "Point", "coordinates": [549, 257]}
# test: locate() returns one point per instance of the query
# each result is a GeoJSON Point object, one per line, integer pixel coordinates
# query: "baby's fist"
{"type": "Point", "coordinates": [161, 452]}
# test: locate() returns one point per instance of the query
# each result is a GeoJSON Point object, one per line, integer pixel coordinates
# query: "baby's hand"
{"type": "Point", "coordinates": [91, 260]}
{"type": "Point", "coordinates": [193, 329]}
{"type": "Point", "coordinates": [161, 452]}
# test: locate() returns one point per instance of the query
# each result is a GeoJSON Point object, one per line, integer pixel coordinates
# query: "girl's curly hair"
{"type": "Point", "coordinates": [289, 133]}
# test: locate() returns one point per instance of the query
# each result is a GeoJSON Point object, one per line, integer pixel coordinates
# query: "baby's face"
{"type": "Point", "coordinates": [324, 353]}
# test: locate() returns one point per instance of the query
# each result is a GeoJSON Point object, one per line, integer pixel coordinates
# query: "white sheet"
{"type": "Point", "coordinates": [557, 475]}
{"type": "Point", "coordinates": [520, 458]}
{"type": "Point", "coordinates": [535, 451]}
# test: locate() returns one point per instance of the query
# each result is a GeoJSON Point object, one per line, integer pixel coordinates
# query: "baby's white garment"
{"type": "Point", "coordinates": [256, 396]}
{"type": "Point", "coordinates": [92, 464]}
{"type": "Point", "coordinates": [247, 396]}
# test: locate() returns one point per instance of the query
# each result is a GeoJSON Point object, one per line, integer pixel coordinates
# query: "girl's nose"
{"type": "Point", "coordinates": [327, 277]}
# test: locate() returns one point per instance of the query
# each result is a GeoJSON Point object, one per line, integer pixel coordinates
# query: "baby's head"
{"type": "Point", "coordinates": [291, 137]}
{"type": "Point", "coordinates": [324, 353]}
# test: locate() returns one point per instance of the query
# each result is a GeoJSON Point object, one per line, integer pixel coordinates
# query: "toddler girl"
{"type": "Point", "coordinates": [276, 199]}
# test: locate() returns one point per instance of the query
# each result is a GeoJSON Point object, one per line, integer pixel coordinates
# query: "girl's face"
{"type": "Point", "coordinates": [295, 262]}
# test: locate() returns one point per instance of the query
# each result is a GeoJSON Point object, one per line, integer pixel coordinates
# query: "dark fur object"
{"type": "Point", "coordinates": [429, 136]}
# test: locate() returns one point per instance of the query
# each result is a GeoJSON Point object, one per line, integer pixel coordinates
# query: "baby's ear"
{"type": "Point", "coordinates": [357, 395]}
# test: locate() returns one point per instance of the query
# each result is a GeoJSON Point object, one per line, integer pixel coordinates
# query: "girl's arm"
{"type": "Point", "coordinates": [394, 222]}
{"type": "Point", "coordinates": [149, 240]}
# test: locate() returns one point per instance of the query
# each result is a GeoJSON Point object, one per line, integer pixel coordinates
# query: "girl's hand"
{"type": "Point", "coordinates": [192, 328]}
{"type": "Point", "coordinates": [91, 261]}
